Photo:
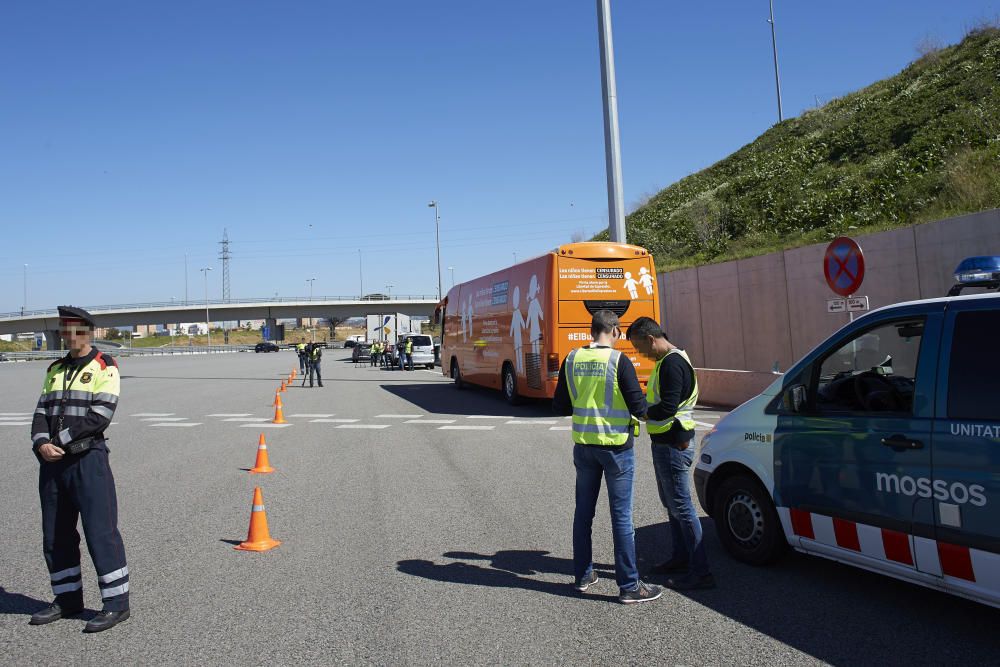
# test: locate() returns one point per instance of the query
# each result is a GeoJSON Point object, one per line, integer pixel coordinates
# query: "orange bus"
{"type": "Point", "coordinates": [511, 330]}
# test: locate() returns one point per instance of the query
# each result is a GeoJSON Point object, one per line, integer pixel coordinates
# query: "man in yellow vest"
{"type": "Point", "coordinates": [671, 395]}
{"type": "Point", "coordinates": [599, 388]}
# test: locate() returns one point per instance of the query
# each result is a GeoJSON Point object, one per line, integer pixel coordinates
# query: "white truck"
{"type": "Point", "coordinates": [387, 327]}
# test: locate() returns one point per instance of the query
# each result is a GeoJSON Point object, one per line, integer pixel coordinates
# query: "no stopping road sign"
{"type": "Point", "coordinates": [844, 266]}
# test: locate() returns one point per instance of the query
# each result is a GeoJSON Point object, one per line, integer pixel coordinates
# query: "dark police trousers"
{"type": "Point", "coordinates": [82, 486]}
{"type": "Point", "coordinates": [313, 369]}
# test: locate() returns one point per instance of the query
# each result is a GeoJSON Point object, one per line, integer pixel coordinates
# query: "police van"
{"type": "Point", "coordinates": [880, 449]}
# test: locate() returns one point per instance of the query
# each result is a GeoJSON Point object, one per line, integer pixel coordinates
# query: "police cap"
{"type": "Point", "coordinates": [74, 313]}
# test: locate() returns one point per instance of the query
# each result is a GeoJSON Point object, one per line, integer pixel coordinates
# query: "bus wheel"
{"type": "Point", "coordinates": [747, 522]}
{"type": "Point", "coordinates": [508, 384]}
{"type": "Point", "coordinates": [456, 375]}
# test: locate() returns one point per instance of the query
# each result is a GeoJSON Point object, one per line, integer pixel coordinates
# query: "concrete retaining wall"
{"type": "Point", "coordinates": [727, 389]}
{"type": "Point", "coordinates": [752, 313]}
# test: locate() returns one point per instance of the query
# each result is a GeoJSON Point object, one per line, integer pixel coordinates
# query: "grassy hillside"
{"type": "Point", "coordinates": [920, 146]}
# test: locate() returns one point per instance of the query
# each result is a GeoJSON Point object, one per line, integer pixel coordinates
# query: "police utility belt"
{"type": "Point", "coordinates": [82, 445]}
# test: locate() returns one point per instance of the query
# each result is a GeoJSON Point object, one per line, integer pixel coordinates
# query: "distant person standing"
{"type": "Point", "coordinates": [374, 353]}
{"type": "Point", "coordinates": [78, 401]}
{"type": "Point", "coordinates": [409, 353]}
{"type": "Point", "coordinates": [300, 349]}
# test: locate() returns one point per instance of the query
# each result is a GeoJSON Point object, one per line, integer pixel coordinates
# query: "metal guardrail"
{"type": "Point", "coordinates": [132, 352]}
{"type": "Point", "coordinates": [194, 303]}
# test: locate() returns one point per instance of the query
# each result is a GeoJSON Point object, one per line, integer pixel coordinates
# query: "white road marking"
{"type": "Point", "coordinates": [176, 424]}
{"type": "Point", "coordinates": [264, 425]}
{"type": "Point", "coordinates": [13, 419]}
{"type": "Point", "coordinates": [364, 426]}
{"type": "Point", "coordinates": [165, 419]}
{"type": "Point", "coordinates": [16, 414]}
{"type": "Point", "coordinates": [15, 423]}
{"type": "Point", "coordinates": [429, 421]}
{"type": "Point", "coordinates": [706, 425]}
{"type": "Point", "coordinates": [532, 421]}
{"type": "Point", "coordinates": [466, 428]}
{"type": "Point", "coordinates": [247, 419]}
{"type": "Point", "coordinates": [231, 414]}
{"type": "Point", "coordinates": [309, 414]}
{"type": "Point", "coordinates": [332, 421]}
{"type": "Point", "coordinates": [560, 428]}
{"type": "Point", "coordinates": [153, 414]}
{"type": "Point", "coordinates": [398, 416]}
{"type": "Point", "coordinates": [490, 416]}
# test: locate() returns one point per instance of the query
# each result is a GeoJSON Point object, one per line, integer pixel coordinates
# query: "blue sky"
{"type": "Point", "coordinates": [133, 133]}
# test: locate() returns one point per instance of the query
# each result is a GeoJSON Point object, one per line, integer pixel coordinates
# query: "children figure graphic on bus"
{"type": "Point", "coordinates": [646, 280]}
{"type": "Point", "coordinates": [517, 325]}
{"type": "Point", "coordinates": [535, 316]}
{"type": "Point", "coordinates": [631, 285]}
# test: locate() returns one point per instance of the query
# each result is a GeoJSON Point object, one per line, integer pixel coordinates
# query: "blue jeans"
{"type": "Point", "coordinates": [673, 480]}
{"type": "Point", "coordinates": [618, 469]}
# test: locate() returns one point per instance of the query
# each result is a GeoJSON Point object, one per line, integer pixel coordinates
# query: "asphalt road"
{"type": "Point", "coordinates": [409, 537]}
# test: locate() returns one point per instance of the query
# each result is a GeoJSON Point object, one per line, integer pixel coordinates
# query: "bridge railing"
{"type": "Point", "coordinates": [132, 352]}
{"type": "Point", "coordinates": [196, 303]}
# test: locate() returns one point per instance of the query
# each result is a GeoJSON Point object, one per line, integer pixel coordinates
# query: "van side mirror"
{"type": "Point", "coordinates": [795, 398]}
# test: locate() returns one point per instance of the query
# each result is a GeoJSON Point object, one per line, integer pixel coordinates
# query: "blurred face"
{"type": "Point", "coordinates": [644, 346]}
{"type": "Point", "coordinates": [75, 334]}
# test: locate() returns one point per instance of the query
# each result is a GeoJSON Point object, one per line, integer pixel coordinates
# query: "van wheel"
{"type": "Point", "coordinates": [747, 522]}
{"type": "Point", "coordinates": [508, 385]}
{"type": "Point", "coordinates": [456, 375]}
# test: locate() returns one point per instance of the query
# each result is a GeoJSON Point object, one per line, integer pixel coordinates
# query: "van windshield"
{"type": "Point", "coordinates": [421, 341]}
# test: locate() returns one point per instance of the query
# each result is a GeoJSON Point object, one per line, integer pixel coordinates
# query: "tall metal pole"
{"type": "Point", "coordinates": [208, 323]}
{"type": "Point", "coordinates": [774, 48]}
{"type": "Point", "coordinates": [612, 140]}
{"type": "Point", "coordinates": [437, 237]}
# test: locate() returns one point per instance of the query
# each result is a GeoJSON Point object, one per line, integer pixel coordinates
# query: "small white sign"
{"type": "Point", "coordinates": [836, 306]}
{"type": "Point", "coordinates": [856, 303]}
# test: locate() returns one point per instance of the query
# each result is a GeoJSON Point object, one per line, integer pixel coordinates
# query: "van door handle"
{"type": "Point", "coordinates": [901, 442]}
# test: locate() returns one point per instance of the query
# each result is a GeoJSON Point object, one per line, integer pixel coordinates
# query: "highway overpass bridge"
{"type": "Point", "coordinates": [172, 312]}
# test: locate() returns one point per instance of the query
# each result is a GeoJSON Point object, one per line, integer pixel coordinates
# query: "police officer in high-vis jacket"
{"type": "Point", "coordinates": [599, 388]}
{"type": "Point", "coordinates": [78, 400]}
{"type": "Point", "coordinates": [671, 395]}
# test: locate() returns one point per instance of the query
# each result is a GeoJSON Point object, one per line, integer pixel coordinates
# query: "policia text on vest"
{"type": "Point", "coordinates": [78, 400]}
{"type": "Point", "coordinates": [599, 388]}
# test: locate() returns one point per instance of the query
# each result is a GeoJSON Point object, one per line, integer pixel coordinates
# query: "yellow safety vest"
{"type": "Point", "coordinates": [409, 346]}
{"type": "Point", "coordinates": [600, 414]}
{"type": "Point", "coordinates": [685, 411]}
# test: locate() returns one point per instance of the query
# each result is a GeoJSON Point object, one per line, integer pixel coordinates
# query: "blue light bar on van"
{"type": "Point", "coordinates": [974, 270]}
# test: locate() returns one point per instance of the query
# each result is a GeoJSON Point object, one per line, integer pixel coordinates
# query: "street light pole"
{"type": "Point", "coordinates": [612, 141]}
{"type": "Point", "coordinates": [437, 238]}
{"type": "Point", "coordinates": [311, 281]}
{"type": "Point", "coordinates": [361, 276]}
{"type": "Point", "coordinates": [388, 290]}
{"type": "Point", "coordinates": [774, 48]}
{"type": "Point", "coordinates": [208, 323]}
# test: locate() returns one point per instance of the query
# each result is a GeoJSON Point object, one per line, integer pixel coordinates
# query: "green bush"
{"type": "Point", "coordinates": [919, 146]}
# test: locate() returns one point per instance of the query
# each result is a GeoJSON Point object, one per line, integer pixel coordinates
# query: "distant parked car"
{"type": "Point", "coordinates": [350, 343]}
{"type": "Point", "coordinates": [362, 352]}
{"type": "Point", "coordinates": [265, 346]}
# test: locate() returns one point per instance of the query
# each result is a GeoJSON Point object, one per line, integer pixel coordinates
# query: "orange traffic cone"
{"type": "Point", "coordinates": [291, 378]}
{"type": "Point", "coordinates": [283, 387]}
{"type": "Point", "coordinates": [263, 464]}
{"type": "Point", "coordinates": [258, 537]}
{"type": "Point", "coordinates": [293, 375]}
{"type": "Point", "coordinates": [277, 399]}
{"type": "Point", "coordinates": [279, 416]}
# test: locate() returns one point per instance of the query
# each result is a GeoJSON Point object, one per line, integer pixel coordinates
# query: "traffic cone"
{"type": "Point", "coordinates": [293, 375]}
{"type": "Point", "coordinates": [291, 378]}
{"type": "Point", "coordinates": [279, 416]}
{"type": "Point", "coordinates": [263, 464]}
{"type": "Point", "coordinates": [283, 388]}
{"type": "Point", "coordinates": [277, 399]}
{"type": "Point", "coordinates": [258, 537]}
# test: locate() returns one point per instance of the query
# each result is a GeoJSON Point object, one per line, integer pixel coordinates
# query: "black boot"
{"type": "Point", "coordinates": [54, 612]}
{"type": "Point", "coordinates": [105, 620]}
